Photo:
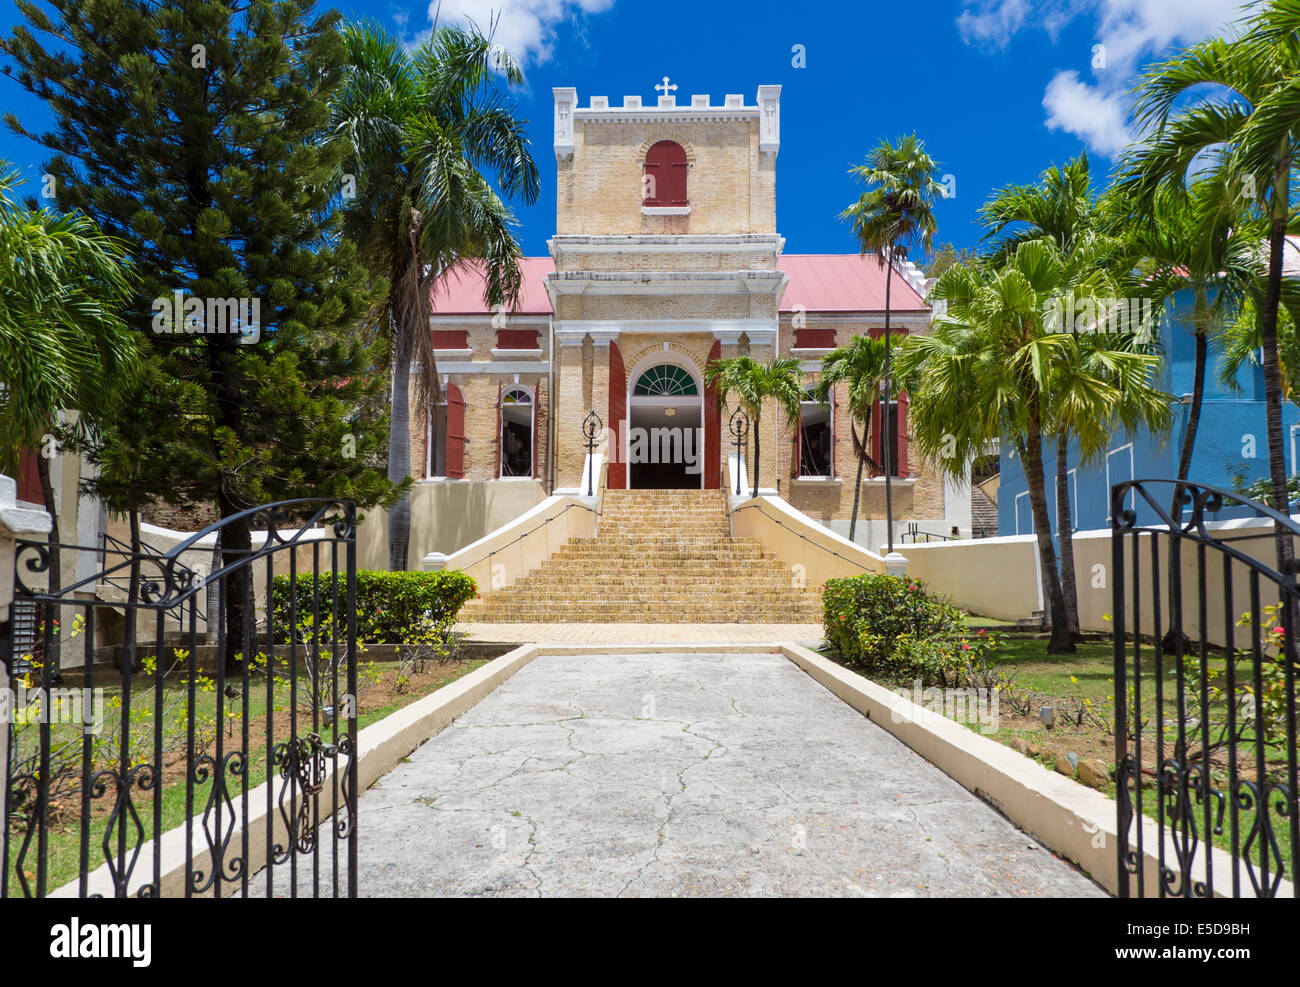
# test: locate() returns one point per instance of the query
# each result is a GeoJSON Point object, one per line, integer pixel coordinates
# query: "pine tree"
{"type": "Point", "coordinates": [193, 130]}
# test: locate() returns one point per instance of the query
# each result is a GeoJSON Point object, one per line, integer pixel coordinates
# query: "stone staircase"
{"type": "Point", "coordinates": [660, 556]}
{"type": "Point", "coordinates": [984, 514]}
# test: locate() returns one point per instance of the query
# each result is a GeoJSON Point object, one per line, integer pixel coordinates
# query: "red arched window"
{"type": "Point", "coordinates": [665, 175]}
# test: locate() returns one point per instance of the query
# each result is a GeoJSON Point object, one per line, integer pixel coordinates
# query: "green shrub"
{"type": "Point", "coordinates": [888, 626]}
{"type": "Point", "coordinates": [390, 605]}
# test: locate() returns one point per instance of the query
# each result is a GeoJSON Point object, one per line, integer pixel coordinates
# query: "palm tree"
{"type": "Point", "coordinates": [1200, 240]}
{"type": "Point", "coordinates": [862, 365]}
{"type": "Point", "coordinates": [895, 212]}
{"type": "Point", "coordinates": [421, 128]}
{"type": "Point", "coordinates": [1243, 117]}
{"type": "Point", "coordinates": [989, 370]}
{"type": "Point", "coordinates": [1058, 206]}
{"type": "Point", "coordinates": [63, 343]}
{"type": "Point", "coordinates": [752, 382]}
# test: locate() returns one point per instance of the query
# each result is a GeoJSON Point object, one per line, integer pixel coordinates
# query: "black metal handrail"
{"type": "Point", "coordinates": [913, 529]}
{"type": "Point", "coordinates": [753, 505]}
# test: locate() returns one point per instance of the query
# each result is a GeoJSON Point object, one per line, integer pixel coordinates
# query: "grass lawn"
{"type": "Point", "coordinates": [1082, 685]}
{"type": "Point", "coordinates": [380, 696]}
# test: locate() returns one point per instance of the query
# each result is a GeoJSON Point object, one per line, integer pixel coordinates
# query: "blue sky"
{"type": "Point", "coordinates": [998, 89]}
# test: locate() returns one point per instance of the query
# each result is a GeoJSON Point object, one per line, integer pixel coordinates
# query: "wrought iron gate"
{"type": "Point", "coordinates": [1205, 701]}
{"type": "Point", "coordinates": [225, 768]}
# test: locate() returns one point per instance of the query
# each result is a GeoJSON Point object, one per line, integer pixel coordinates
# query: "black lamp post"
{"type": "Point", "coordinates": [591, 428]}
{"type": "Point", "coordinates": [739, 426]}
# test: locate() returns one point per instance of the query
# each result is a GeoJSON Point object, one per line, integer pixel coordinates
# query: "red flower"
{"type": "Point", "coordinates": [965, 647]}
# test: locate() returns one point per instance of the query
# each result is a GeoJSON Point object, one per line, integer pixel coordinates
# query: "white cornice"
{"type": "Point", "coordinates": [572, 332]}
{"type": "Point", "coordinates": [686, 244]}
{"type": "Point", "coordinates": [663, 282]}
{"type": "Point", "coordinates": [495, 367]}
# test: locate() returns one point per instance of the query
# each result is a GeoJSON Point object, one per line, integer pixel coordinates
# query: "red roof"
{"type": "Point", "coordinates": [844, 283]}
{"type": "Point", "coordinates": [818, 283]}
{"type": "Point", "coordinates": [461, 291]}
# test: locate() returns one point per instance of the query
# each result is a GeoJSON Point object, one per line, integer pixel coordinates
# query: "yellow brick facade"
{"type": "Point", "coordinates": [651, 283]}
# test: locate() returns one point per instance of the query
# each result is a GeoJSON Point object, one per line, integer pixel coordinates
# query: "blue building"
{"type": "Point", "coordinates": [1231, 442]}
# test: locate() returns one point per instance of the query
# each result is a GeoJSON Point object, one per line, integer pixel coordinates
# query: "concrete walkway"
{"type": "Point", "coordinates": [622, 633]}
{"type": "Point", "coordinates": [677, 774]}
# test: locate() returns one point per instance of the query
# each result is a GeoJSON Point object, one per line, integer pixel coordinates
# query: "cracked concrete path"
{"type": "Point", "coordinates": [683, 774]}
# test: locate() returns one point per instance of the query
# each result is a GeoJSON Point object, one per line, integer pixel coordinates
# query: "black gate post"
{"type": "Point", "coordinates": [1124, 811]}
{"type": "Point", "coordinates": [351, 791]}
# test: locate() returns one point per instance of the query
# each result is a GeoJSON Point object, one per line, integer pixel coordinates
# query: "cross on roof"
{"type": "Point", "coordinates": [666, 87]}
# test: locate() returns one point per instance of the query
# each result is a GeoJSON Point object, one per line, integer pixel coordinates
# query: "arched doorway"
{"type": "Point", "coordinates": [518, 431]}
{"type": "Point", "coordinates": [665, 406]}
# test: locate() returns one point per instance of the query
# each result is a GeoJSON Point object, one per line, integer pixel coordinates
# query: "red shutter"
{"type": "Point", "coordinates": [901, 468]}
{"type": "Point", "coordinates": [616, 478]}
{"type": "Point", "coordinates": [500, 446]}
{"type": "Point", "coordinates": [455, 433]}
{"type": "Point", "coordinates": [814, 339]}
{"type": "Point", "coordinates": [874, 441]}
{"type": "Point", "coordinates": [535, 456]}
{"type": "Point", "coordinates": [667, 167]}
{"type": "Point", "coordinates": [29, 478]}
{"type": "Point", "coordinates": [712, 428]}
{"type": "Point", "coordinates": [517, 339]}
{"type": "Point", "coordinates": [677, 182]}
{"type": "Point", "coordinates": [450, 339]}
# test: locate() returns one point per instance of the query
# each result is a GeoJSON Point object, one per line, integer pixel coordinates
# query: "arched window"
{"type": "Point", "coordinates": [665, 380]}
{"type": "Point", "coordinates": [517, 432]}
{"type": "Point", "coordinates": [665, 175]}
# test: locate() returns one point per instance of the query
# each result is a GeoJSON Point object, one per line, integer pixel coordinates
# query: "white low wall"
{"type": "Point", "coordinates": [516, 549]}
{"type": "Point", "coordinates": [795, 538]}
{"type": "Point", "coordinates": [993, 577]}
{"type": "Point", "coordinates": [447, 515]}
{"type": "Point", "coordinates": [1000, 577]}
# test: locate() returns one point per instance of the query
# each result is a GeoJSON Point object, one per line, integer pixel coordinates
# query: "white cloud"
{"type": "Point", "coordinates": [1132, 32]}
{"type": "Point", "coordinates": [993, 22]}
{"type": "Point", "coordinates": [526, 28]}
{"type": "Point", "coordinates": [1094, 116]}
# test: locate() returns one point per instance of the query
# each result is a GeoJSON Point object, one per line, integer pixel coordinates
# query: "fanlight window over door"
{"type": "Point", "coordinates": [665, 380]}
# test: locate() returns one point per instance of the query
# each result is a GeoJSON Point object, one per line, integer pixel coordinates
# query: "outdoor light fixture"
{"type": "Point", "coordinates": [669, 412]}
{"type": "Point", "coordinates": [1048, 715]}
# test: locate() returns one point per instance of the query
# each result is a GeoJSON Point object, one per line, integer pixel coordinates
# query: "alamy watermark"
{"type": "Point", "coordinates": [1092, 313]}
{"type": "Point", "coordinates": [973, 707]}
{"type": "Point", "coordinates": [23, 706]}
{"type": "Point", "coordinates": [676, 445]}
{"type": "Point", "coordinates": [192, 315]}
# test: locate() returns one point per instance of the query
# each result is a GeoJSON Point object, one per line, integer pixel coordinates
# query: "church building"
{"type": "Point", "coordinates": [666, 255]}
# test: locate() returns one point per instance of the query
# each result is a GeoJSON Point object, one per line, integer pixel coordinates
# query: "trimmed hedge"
{"type": "Point", "coordinates": [888, 625]}
{"type": "Point", "coordinates": [390, 605]}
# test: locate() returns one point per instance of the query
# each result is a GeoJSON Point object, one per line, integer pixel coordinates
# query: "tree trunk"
{"type": "Point", "coordinates": [53, 658]}
{"type": "Point", "coordinates": [399, 462]}
{"type": "Point", "coordinates": [754, 493]}
{"type": "Point", "coordinates": [1198, 385]}
{"type": "Point", "coordinates": [1272, 375]}
{"type": "Point", "coordinates": [857, 485]}
{"type": "Point", "coordinates": [1065, 533]}
{"type": "Point", "coordinates": [1200, 328]}
{"type": "Point", "coordinates": [132, 592]}
{"type": "Point", "coordinates": [1032, 456]}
